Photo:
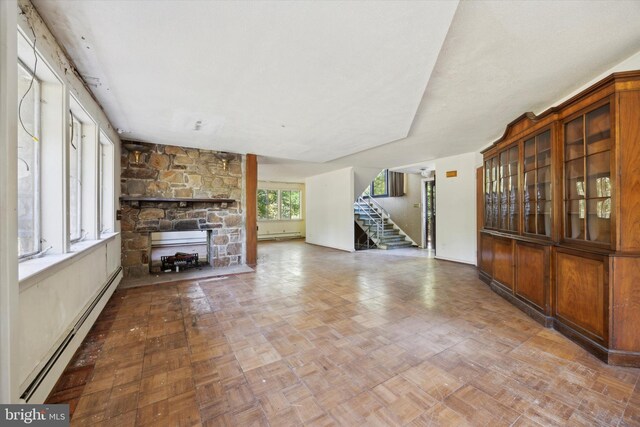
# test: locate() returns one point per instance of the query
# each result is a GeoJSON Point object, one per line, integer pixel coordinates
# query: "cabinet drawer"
{"type": "Point", "coordinates": [582, 292]}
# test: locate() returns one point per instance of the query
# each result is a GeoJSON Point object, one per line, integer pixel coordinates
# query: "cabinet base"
{"type": "Point", "coordinates": [505, 293]}
{"type": "Point", "coordinates": [610, 356]}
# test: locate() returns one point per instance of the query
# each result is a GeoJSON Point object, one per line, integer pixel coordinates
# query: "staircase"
{"type": "Point", "coordinates": [379, 229]}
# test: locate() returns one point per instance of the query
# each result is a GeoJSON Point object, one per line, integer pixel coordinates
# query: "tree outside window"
{"type": "Point", "coordinates": [279, 205]}
{"type": "Point", "coordinates": [290, 204]}
{"type": "Point", "coordinates": [267, 204]}
{"type": "Point", "coordinates": [379, 185]}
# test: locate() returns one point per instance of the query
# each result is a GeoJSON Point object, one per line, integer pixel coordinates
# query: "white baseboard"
{"type": "Point", "coordinates": [44, 383]}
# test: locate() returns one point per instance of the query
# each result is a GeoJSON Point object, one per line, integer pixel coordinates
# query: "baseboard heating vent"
{"type": "Point", "coordinates": [31, 388]}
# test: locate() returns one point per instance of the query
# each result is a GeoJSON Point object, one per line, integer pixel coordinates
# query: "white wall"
{"type": "Point", "coordinates": [273, 229]}
{"type": "Point", "coordinates": [51, 303]}
{"type": "Point", "coordinates": [362, 179]}
{"type": "Point", "coordinates": [53, 291]}
{"type": "Point", "coordinates": [406, 211]}
{"type": "Point", "coordinates": [329, 209]}
{"type": "Point", "coordinates": [456, 208]}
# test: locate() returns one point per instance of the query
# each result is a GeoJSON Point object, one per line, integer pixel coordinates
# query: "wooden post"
{"type": "Point", "coordinates": [252, 210]}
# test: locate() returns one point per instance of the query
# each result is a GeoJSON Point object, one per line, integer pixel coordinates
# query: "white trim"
{"type": "Point", "coordinates": [78, 185]}
{"type": "Point", "coordinates": [9, 291]}
{"type": "Point", "coordinates": [51, 378]}
{"type": "Point", "coordinates": [33, 270]}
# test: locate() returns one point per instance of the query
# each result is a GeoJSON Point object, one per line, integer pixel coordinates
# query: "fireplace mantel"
{"type": "Point", "coordinates": [182, 201]}
{"type": "Point", "coordinates": [165, 199]}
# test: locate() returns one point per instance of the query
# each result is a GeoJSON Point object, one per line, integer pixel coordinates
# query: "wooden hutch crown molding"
{"type": "Point", "coordinates": [528, 120]}
{"type": "Point", "coordinates": [560, 208]}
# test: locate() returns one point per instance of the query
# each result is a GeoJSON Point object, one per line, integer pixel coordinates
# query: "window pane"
{"type": "Point", "coordinates": [286, 204]}
{"type": "Point", "coordinates": [295, 205]}
{"type": "Point", "coordinates": [573, 139]}
{"type": "Point", "coordinates": [575, 219]}
{"type": "Point", "coordinates": [598, 130]}
{"type": "Point", "coordinates": [75, 157]}
{"type": "Point", "coordinates": [575, 179]}
{"type": "Point", "coordinates": [544, 149]}
{"type": "Point", "coordinates": [28, 168]}
{"type": "Point", "coordinates": [263, 203]}
{"type": "Point", "coordinates": [380, 184]}
{"type": "Point", "coordinates": [272, 209]}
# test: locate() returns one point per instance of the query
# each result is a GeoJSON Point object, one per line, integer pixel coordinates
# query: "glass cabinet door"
{"type": "Point", "coordinates": [587, 171]}
{"type": "Point", "coordinates": [491, 193]}
{"type": "Point", "coordinates": [488, 217]}
{"type": "Point", "coordinates": [514, 206]}
{"type": "Point", "coordinates": [494, 192]}
{"type": "Point", "coordinates": [506, 201]}
{"type": "Point", "coordinates": [536, 193]}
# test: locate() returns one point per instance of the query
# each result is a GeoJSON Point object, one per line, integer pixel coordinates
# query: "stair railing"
{"type": "Point", "coordinates": [376, 229]}
{"type": "Point", "coordinates": [377, 206]}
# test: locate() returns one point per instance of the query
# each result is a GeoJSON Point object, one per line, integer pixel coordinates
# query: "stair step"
{"type": "Point", "coordinates": [370, 222]}
{"type": "Point", "coordinates": [394, 245]}
{"type": "Point", "coordinates": [396, 238]}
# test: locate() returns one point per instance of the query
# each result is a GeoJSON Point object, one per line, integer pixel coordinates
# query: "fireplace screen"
{"type": "Point", "coordinates": [178, 250]}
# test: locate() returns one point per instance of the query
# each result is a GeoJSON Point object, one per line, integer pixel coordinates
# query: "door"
{"type": "Point", "coordinates": [430, 214]}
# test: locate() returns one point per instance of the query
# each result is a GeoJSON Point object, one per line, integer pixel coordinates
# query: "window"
{"type": "Point", "coordinates": [75, 180]}
{"type": "Point", "coordinates": [290, 204]}
{"type": "Point", "coordinates": [279, 204]}
{"type": "Point", "coordinates": [267, 204]}
{"type": "Point", "coordinates": [28, 163]}
{"type": "Point", "coordinates": [379, 185]}
{"type": "Point", "coordinates": [106, 185]}
{"type": "Point", "coordinates": [65, 172]}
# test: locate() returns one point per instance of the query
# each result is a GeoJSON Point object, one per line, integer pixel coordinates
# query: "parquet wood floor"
{"type": "Point", "coordinates": [320, 337]}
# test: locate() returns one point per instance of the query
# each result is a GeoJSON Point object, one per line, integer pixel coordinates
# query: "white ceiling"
{"type": "Point", "coordinates": [309, 81]}
{"type": "Point", "coordinates": [308, 84]}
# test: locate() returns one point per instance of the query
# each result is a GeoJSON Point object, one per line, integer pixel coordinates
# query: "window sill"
{"type": "Point", "coordinates": [31, 271]}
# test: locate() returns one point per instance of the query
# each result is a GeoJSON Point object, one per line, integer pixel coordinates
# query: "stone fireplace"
{"type": "Point", "coordinates": [177, 189]}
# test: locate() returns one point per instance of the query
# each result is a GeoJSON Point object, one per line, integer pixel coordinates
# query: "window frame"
{"type": "Point", "coordinates": [290, 210]}
{"type": "Point", "coordinates": [279, 205]}
{"type": "Point", "coordinates": [267, 190]}
{"type": "Point", "coordinates": [37, 226]}
{"type": "Point", "coordinates": [106, 187]}
{"type": "Point", "coordinates": [386, 185]}
{"type": "Point", "coordinates": [73, 120]}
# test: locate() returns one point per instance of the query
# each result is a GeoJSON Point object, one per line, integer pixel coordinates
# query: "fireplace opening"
{"type": "Point", "coordinates": [173, 251]}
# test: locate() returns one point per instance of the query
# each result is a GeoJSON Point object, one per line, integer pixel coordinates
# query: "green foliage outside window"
{"type": "Point", "coordinates": [267, 204]}
{"type": "Point", "coordinates": [290, 204]}
{"type": "Point", "coordinates": [285, 207]}
{"type": "Point", "coordinates": [380, 184]}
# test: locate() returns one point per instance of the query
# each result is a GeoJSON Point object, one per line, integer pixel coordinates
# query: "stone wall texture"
{"type": "Point", "coordinates": [174, 172]}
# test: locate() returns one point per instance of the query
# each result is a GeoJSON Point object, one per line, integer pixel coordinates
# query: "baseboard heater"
{"type": "Point", "coordinates": [31, 388]}
{"type": "Point", "coordinates": [276, 236]}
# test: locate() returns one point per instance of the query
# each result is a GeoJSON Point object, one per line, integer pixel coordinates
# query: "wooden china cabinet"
{"type": "Point", "coordinates": [561, 205]}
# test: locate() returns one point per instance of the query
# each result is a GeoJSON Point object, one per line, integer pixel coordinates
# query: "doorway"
{"type": "Point", "coordinates": [430, 214]}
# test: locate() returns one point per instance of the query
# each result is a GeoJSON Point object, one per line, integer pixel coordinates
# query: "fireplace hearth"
{"type": "Point", "coordinates": [143, 219]}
